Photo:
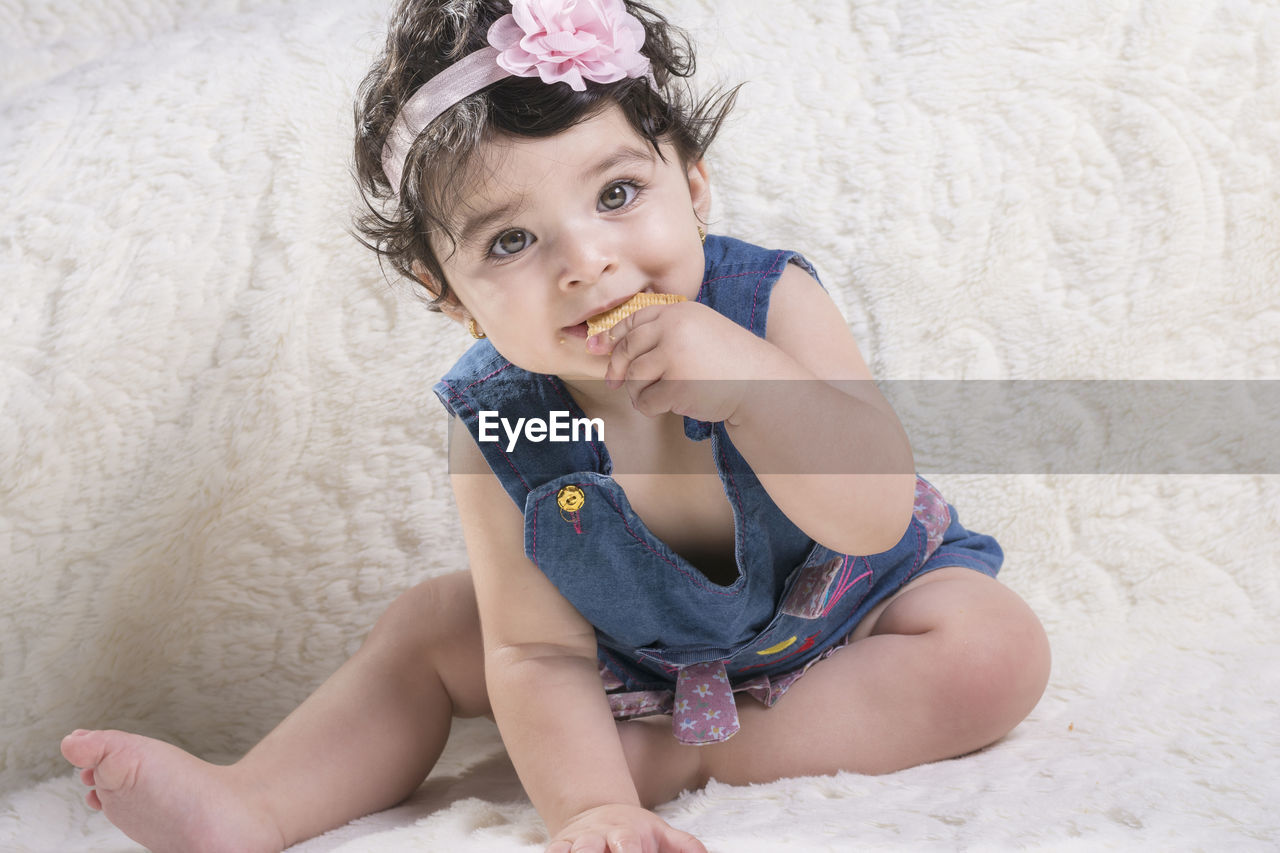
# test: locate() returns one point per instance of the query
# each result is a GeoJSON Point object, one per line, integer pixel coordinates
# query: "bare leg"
{"type": "Point", "coordinates": [362, 742]}
{"type": "Point", "coordinates": [660, 765]}
{"type": "Point", "coordinates": [950, 665]}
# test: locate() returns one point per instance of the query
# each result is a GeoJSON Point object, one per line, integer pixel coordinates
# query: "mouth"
{"type": "Point", "coordinates": [579, 330]}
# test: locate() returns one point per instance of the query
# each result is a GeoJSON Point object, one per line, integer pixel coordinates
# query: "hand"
{"type": "Point", "coordinates": [622, 829]}
{"type": "Point", "coordinates": [684, 358]}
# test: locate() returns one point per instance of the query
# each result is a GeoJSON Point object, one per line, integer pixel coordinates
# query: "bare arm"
{"type": "Point", "coordinates": [799, 405]}
{"type": "Point", "coordinates": [540, 659]}
{"type": "Point", "coordinates": [836, 422]}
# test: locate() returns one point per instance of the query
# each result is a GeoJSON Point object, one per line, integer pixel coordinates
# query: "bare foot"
{"type": "Point", "coordinates": [169, 800]}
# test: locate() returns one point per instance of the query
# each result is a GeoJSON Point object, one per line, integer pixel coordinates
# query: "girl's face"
{"type": "Point", "coordinates": [553, 231]}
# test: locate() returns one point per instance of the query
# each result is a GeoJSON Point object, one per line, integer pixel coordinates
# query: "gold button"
{"type": "Point", "coordinates": [571, 498]}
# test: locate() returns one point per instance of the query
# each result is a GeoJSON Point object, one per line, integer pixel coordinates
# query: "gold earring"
{"type": "Point", "coordinates": [702, 235]}
{"type": "Point", "coordinates": [474, 330]}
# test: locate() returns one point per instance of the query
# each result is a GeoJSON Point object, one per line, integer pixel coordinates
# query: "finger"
{"type": "Point", "coordinates": [589, 844]}
{"type": "Point", "coordinates": [692, 845]}
{"type": "Point", "coordinates": [650, 397]}
{"type": "Point", "coordinates": [664, 394]}
{"type": "Point", "coordinates": [633, 321]}
{"type": "Point", "coordinates": [624, 841]}
{"type": "Point", "coordinates": [603, 343]}
{"type": "Point", "coordinates": [646, 386]}
{"type": "Point", "coordinates": [628, 349]}
{"type": "Point", "coordinates": [682, 842]}
{"type": "Point", "coordinates": [600, 344]}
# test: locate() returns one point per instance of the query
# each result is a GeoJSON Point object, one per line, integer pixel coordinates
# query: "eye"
{"type": "Point", "coordinates": [618, 195]}
{"type": "Point", "coordinates": [512, 242]}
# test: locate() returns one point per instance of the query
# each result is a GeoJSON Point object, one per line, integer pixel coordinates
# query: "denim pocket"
{"type": "Point", "coordinates": [818, 589]}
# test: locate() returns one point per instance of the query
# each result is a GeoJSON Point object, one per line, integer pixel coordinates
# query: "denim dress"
{"type": "Point", "coordinates": [669, 639]}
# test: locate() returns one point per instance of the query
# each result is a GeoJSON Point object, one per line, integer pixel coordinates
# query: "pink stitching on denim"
{"type": "Point", "coordinates": [842, 590]}
{"type": "Point", "coordinates": [734, 275]}
{"type": "Point", "coordinates": [833, 590]}
{"type": "Point", "coordinates": [755, 294]}
{"type": "Point", "coordinates": [703, 287]}
{"type": "Point", "coordinates": [556, 388]}
{"type": "Point", "coordinates": [843, 585]}
{"type": "Point", "coordinates": [724, 465]}
{"type": "Point", "coordinates": [458, 398]}
{"type": "Point", "coordinates": [535, 539]}
{"type": "Point", "coordinates": [698, 579]}
{"type": "Point", "coordinates": [487, 377]}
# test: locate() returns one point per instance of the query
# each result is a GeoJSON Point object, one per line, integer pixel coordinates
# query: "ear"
{"type": "Point", "coordinates": [700, 189]}
{"type": "Point", "coordinates": [450, 307]}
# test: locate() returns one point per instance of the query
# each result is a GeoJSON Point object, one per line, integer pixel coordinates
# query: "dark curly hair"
{"type": "Point", "coordinates": [408, 225]}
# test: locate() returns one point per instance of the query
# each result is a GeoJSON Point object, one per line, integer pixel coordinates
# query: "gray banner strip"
{"type": "Point", "coordinates": [1091, 426]}
{"type": "Point", "coordinates": [1052, 427]}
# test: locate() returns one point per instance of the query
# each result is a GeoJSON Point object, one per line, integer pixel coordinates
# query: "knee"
{"type": "Point", "coordinates": [429, 639]}
{"type": "Point", "coordinates": [416, 623]}
{"type": "Point", "coordinates": [996, 674]}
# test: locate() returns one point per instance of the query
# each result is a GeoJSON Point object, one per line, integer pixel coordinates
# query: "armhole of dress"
{"type": "Point", "coordinates": [763, 297]}
{"type": "Point", "coordinates": [802, 262]}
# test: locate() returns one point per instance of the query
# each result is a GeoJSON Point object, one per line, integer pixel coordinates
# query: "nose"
{"type": "Point", "coordinates": [586, 256]}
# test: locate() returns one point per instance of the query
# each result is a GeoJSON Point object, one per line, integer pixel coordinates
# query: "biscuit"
{"type": "Point", "coordinates": [606, 321]}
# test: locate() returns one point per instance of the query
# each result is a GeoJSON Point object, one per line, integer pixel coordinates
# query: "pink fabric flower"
{"type": "Point", "coordinates": [570, 40]}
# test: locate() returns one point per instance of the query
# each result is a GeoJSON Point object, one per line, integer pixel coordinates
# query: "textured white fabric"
{"type": "Point", "coordinates": [220, 458]}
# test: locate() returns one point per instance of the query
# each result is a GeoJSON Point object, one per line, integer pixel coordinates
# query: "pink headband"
{"type": "Point", "coordinates": [569, 41]}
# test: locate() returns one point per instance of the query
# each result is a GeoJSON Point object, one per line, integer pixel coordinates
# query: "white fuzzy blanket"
{"type": "Point", "coordinates": [220, 457]}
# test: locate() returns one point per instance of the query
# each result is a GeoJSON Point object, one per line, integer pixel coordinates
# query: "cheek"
{"type": "Point", "coordinates": [488, 300]}
{"type": "Point", "coordinates": [676, 231]}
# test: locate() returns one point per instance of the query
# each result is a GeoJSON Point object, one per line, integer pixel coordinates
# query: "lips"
{"type": "Point", "coordinates": [579, 329]}
{"type": "Point", "coordinates": [608, 307]}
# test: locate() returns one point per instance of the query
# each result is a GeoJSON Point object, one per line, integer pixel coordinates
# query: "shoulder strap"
{"type": "Point", "coordinates": [502, 405]}
{"type": "Point", "coordinates": [737, 282]}
{"type": "Point", "coordinates": [738, 279]}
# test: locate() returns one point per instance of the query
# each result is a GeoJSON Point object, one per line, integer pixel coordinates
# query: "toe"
{"type": "Point", "coordinates": [88, 749]}
{"type": "Point", "coordinates": [112, 757]}
{"type": "Point", "coordinates": [80, 749]}
{"type": "Point", "coordinates": [86, 776]}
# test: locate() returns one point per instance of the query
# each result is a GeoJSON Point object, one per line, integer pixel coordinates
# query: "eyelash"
{"type": "Point", "coordinates": [635, 184]}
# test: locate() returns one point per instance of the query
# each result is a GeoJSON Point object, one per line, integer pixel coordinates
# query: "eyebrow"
{"type": "Point", "coordinates": [483, 220]}
{"type": "Point", "coordinates": [626, 156]}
